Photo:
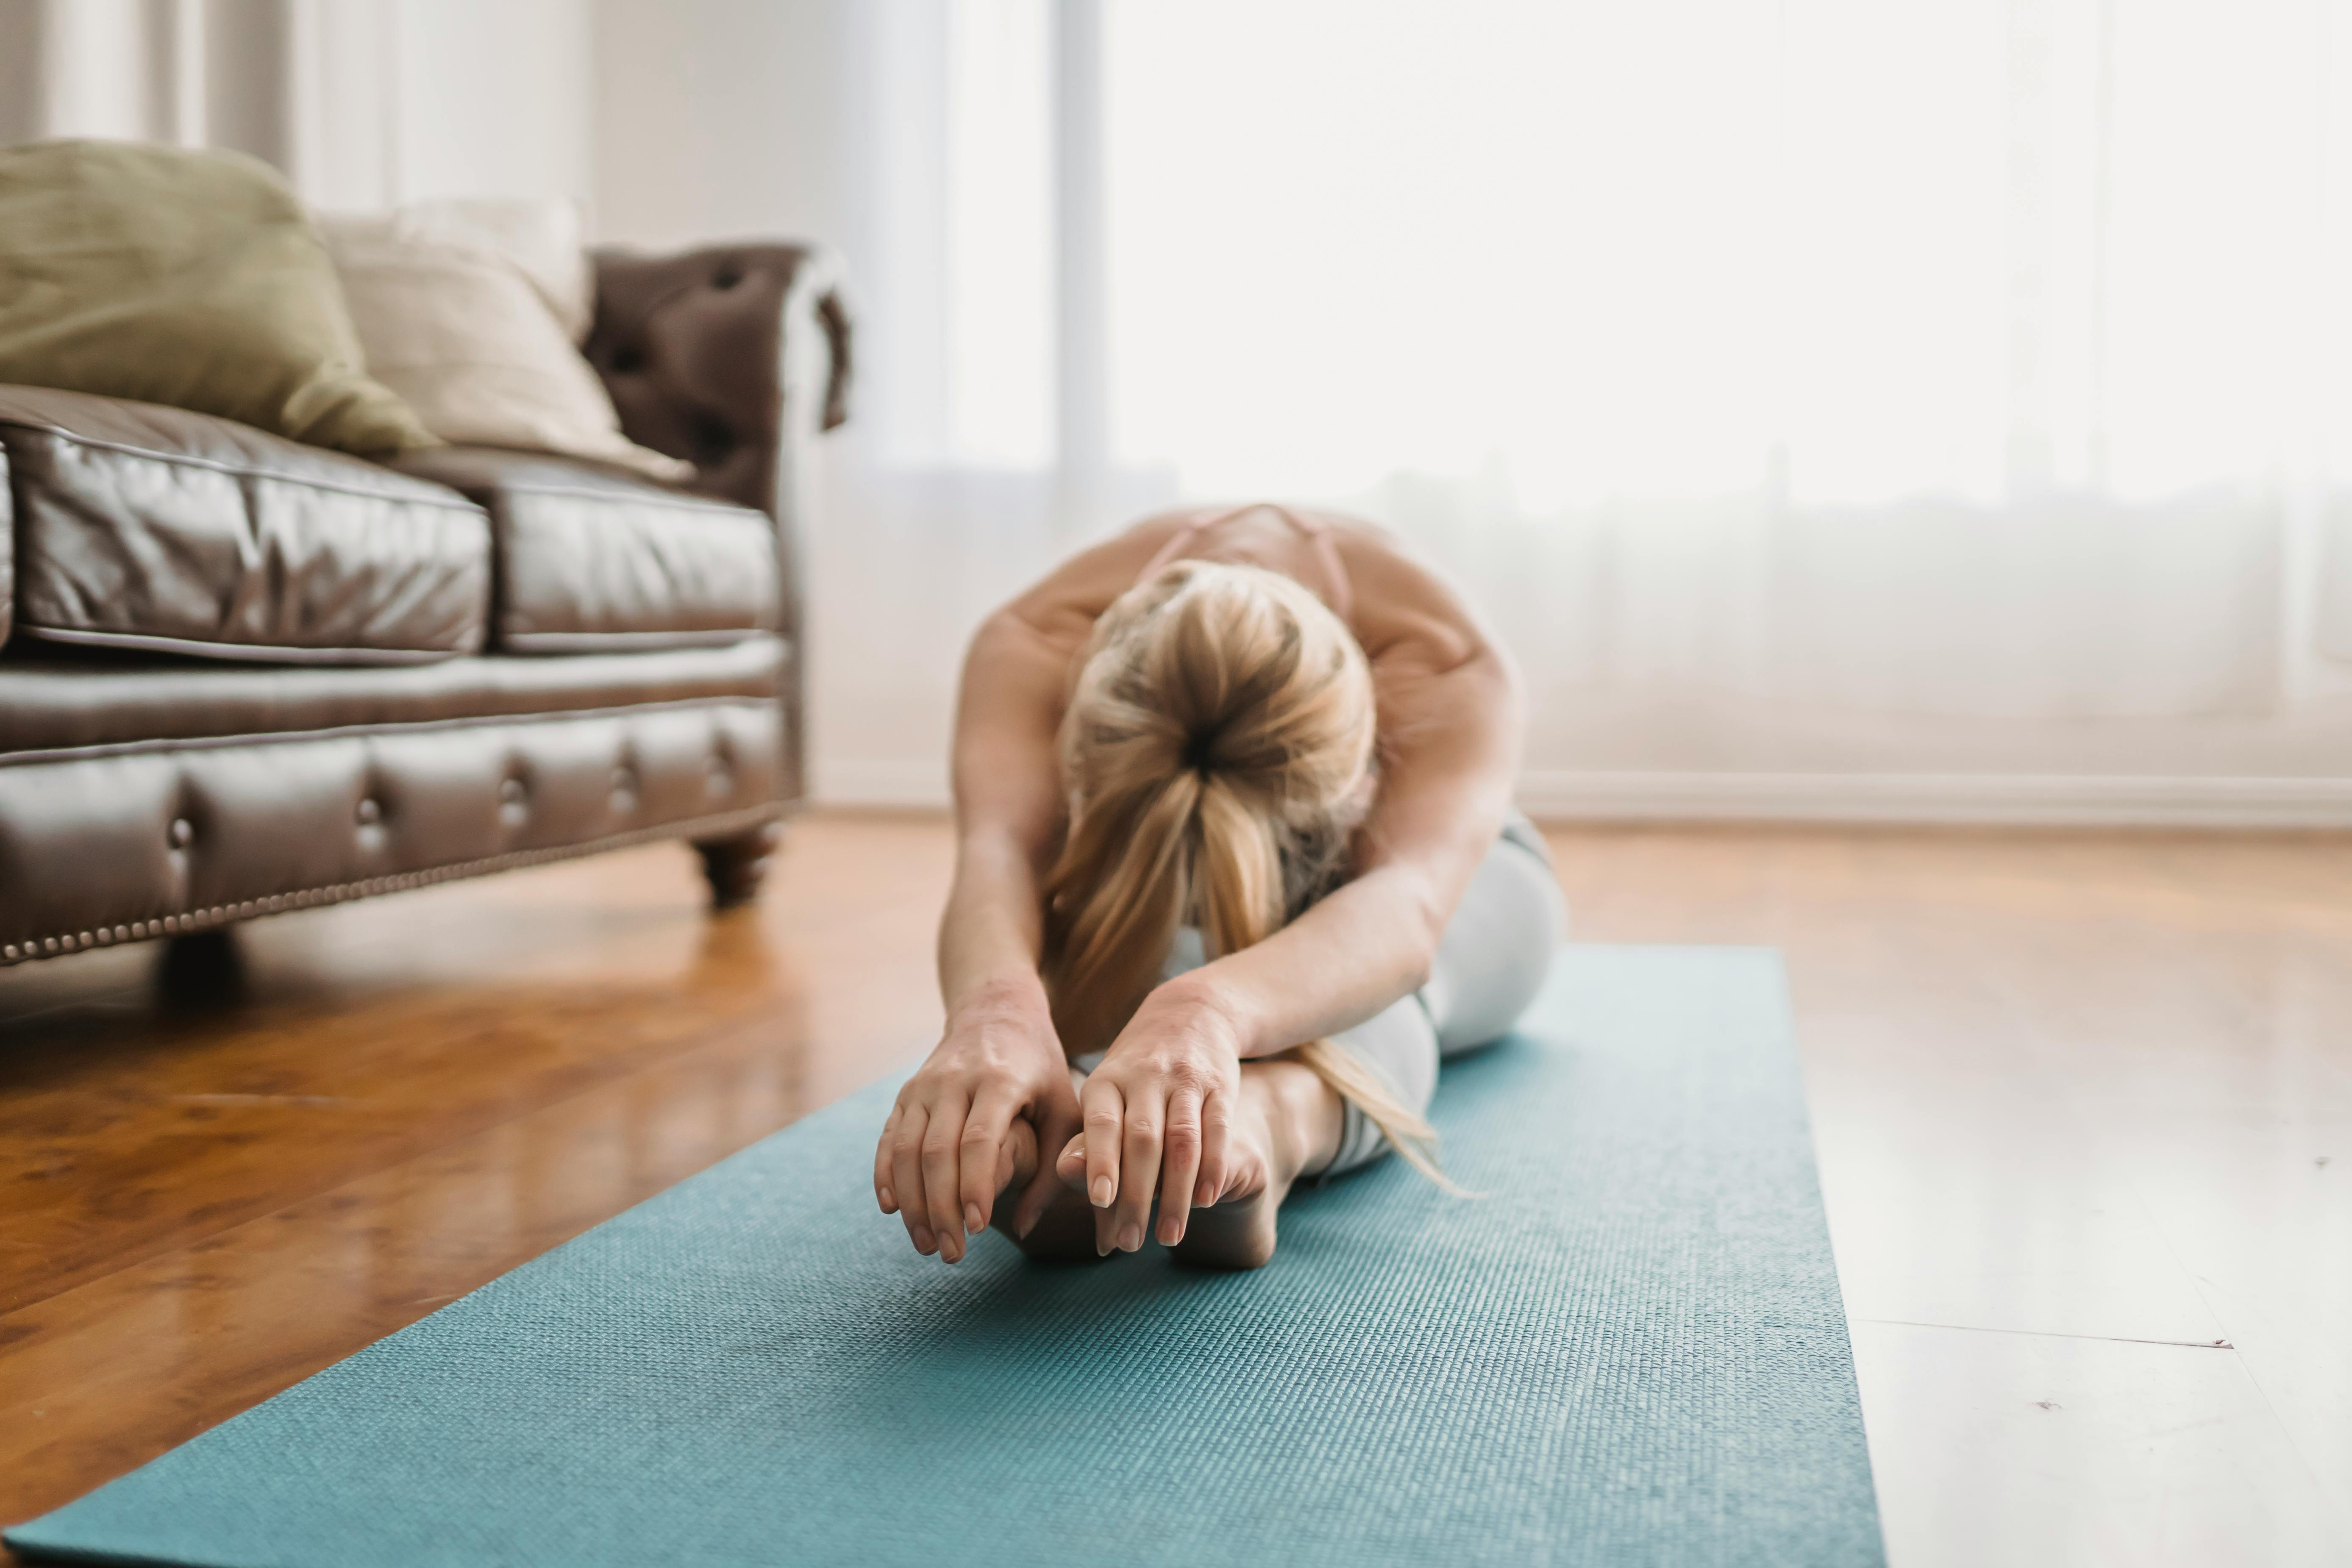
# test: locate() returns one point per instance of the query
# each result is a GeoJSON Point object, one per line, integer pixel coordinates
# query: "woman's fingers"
{"type": "Point", "coordinates": [1216, 1140]}
{"type": "Point", "coordinates": [884, 1192]}
{"type": "Point", "coordinates": [1180, 1165]}
{"type": "Point", "coordinates": [1138, 1166]}
{"type": "Point", "coordinates": [1056, 1140]}
{"type": "Point", "coordinates": [906, 1178]}
{"type": "Point", "coordinates": [1105, 1116]}
{"type": "Point", "coordinates": [980, 1150]}
{"type": "Point", "coordinates": [1017, 1162]}
{"type": "Point", "coordinates": [942, 1147]}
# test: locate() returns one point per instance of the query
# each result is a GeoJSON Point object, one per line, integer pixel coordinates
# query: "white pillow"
{"type": "Point", "coordinates": [473, 344]}
{"type": "Point", "coordinates": [540, 237]}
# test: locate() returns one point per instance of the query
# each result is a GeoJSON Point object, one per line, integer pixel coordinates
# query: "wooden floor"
{"type": "Point", "coordinates": [2083, 1107]}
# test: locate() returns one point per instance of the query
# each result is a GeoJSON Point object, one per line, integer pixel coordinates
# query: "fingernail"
{"type": "Point", "coordinates": [1171, 1233]}
{"type": "Point", "coordinates": [1204, 1195]}
{"type": "Point", "coordinates": [1021, 1229]}
{"type": "Point", "coordinates": [1102, 1190]}
{"type": "Point", "coordinates": [926, 1243]}
{"type": "Point", "coordinates": [890, 1201]}
{"type": "Point", "coordinates": [1102, 1250]}
{"type": "Point", "coordinates": [1129, 1237]}
{"type": "Point", "coordinates": [973, 1219]}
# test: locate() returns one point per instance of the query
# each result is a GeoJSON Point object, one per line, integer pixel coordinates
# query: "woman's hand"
{"type": "Point", "coordinates": [952, 1142]}
{"type": "Point", "coordinates": [1158, 1112]}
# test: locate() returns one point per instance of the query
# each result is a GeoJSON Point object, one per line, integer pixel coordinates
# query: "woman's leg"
{"type": "Point", "coordinates": [1489, 965]}
{"type": "Point", "coordinates": [1498, 946]}
{"type": "Point", "coordinates": [1400, 1042]}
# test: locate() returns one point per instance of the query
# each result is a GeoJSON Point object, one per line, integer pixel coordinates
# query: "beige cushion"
{"type": "Point", "coordinates": [182, 278]}
{"type": "Point", "coordinates": [461, 334]}
{"type": "Point", "coordinates": [539, 234]}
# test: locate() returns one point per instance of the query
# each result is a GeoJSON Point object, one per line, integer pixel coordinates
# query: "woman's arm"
{"type": "Point", "coordinates": [1446, 788]}
{"type": "Point", "coordinates": [946, 1152]}
{"type": "Point", "coordinates": [1451, 714]}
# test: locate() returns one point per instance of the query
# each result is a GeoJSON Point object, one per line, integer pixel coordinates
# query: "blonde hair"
{"type": "Point", "coordinates": [1216, 748]}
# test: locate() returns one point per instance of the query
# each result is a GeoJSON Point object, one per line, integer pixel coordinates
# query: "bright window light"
{"type": "Point", "coordinates": [1699, 247]}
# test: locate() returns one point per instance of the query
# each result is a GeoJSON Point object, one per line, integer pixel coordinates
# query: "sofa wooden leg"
{"type": "Point", "coordinates": [202, 970]}
{"type": "Point", "coordinates": [735, 865]}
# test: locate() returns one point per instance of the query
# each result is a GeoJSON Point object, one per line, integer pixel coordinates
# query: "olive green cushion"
{"type": "Point", "coordinates": [183, 277]}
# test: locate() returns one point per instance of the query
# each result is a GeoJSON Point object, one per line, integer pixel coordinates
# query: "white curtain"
{"type": "Point", "coordinates": [361, 103]}
{"type": "Point", "coordinates": [1935, 409]}
{"type": "Point", "coordinates": [1838, 408]}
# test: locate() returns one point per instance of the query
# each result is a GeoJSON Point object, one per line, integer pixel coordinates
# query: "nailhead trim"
{"type": "Point", "coordinates": [344, 892]}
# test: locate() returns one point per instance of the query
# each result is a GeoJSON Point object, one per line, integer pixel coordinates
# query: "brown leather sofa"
{"type": "Point", "coordinates": [239, 676]}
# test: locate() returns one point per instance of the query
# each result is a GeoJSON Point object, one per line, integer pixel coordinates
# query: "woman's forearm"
{"type": "Point", "coordinates": [1345, 959]}
{"type": "Point", "coordinates": [992, 931]}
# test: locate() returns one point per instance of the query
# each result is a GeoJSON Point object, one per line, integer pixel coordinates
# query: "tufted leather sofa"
{"type": "Point", "coordinates": [239, 676]}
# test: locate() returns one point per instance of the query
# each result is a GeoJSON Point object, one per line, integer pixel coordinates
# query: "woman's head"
{"type": "Point", "coordinates": [1217, 751]}
{"type": "Point", "coordinates": [1217, 755]}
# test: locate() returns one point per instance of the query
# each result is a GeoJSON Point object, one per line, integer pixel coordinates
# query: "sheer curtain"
{"type": "Point", "coordinates": [361, 103]}
{"type": "Point", "coordinates": [1839, 409]}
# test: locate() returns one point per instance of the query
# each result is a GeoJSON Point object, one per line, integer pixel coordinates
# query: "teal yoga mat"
{"type": "Point", "coordinates": [1630, 1352]}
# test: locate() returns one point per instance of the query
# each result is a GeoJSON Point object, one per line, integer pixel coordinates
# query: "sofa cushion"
{"type": "Point", "coordinates": [141, 526]}
{"type": "Point", "coordinates": [185, 277]}
{"type": "Point", "coordinates": [590, 560]}
{"type": "Point", "coordinates": [469, 342]}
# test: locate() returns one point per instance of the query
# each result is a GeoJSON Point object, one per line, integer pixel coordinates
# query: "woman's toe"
{"type": "Point", "coordinates": [1016, 1157]}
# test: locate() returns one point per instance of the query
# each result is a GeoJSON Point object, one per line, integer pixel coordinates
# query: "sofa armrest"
{"type": "Point", "coordinates": [728, 356]}
{"type": "Point", "coordinates": [733, 357]}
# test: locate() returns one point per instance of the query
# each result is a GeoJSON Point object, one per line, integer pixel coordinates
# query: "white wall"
{"type": "Point", "coordinates": [719, 118]}
{"type": "Point", "coordinates": [494, 99]}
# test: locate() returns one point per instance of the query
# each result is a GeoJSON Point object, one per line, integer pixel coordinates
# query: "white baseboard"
{"type": "Point", "coordinates": [2018, 799]}
{"type": "Point", "coordinates": [2015, 799]}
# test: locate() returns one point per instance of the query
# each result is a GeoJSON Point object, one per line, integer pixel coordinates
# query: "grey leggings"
{"type": "Point", "coordinates": [1489, 965]}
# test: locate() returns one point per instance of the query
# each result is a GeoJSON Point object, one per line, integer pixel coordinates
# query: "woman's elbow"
{"type": "Point", "coordinates": [1426, 928]}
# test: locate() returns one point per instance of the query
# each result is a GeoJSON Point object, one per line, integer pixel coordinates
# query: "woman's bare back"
{"type": "Point", "coordinates": [1411, 627]}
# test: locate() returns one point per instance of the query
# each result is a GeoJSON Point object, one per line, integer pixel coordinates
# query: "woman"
{"type": "Point", "coordinates": [1233, 873]}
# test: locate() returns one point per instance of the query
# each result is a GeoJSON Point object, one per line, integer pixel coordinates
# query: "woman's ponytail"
{"type": "Point", "coordinates": [1113, 901]}
{"type": "Point", "coordinates": [1238, 890]}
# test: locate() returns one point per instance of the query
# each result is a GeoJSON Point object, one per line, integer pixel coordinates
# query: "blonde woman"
{"type": "Point", "coordinates": [1236, 867]}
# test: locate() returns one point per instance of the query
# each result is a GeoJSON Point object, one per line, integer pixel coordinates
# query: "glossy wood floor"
{"type": "Point", "coordinates": [2083, 1107]}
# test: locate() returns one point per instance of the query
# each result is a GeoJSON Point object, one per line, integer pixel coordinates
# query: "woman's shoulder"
{"type": "Point", "coordinates": [1404, 606]}
{"type": "Point", "coordinates": [1066, 603]}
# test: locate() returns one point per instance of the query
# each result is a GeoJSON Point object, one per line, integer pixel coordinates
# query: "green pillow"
{"type": "Point", "coordinates": [185, 277]}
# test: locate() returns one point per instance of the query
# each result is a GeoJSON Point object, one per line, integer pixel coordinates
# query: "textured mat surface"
{"type": "Point", "coordinates": [1632, 1351]}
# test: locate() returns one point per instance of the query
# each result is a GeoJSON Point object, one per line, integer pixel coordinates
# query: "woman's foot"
{"type": "Point", "coordinates": [1287, 1122]}
{"type": "Point", "coordinates": [1065, 1230]}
